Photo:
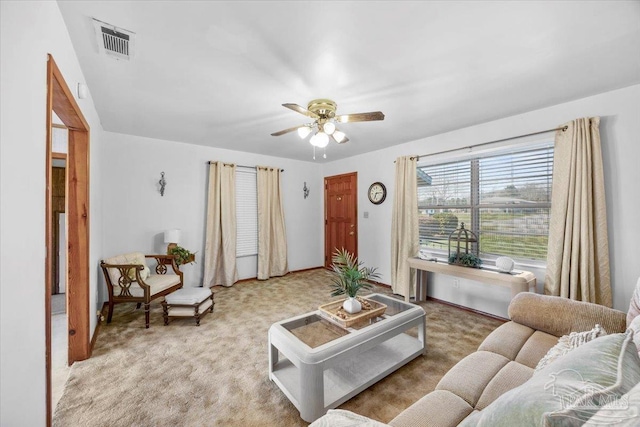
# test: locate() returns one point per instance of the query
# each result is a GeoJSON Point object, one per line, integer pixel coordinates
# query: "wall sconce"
{"type": "Point", "coordinates": [162, 183]}
{"type": "Point", "coordinates": [305, 190]}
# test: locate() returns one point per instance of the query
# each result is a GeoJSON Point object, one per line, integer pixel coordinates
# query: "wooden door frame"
{"type": "Point", "coordinates": [61, 101]}
{"type": "Point", "coordinates": [327, 251]}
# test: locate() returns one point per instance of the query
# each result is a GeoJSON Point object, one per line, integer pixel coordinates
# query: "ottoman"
{"type": "Point", "coordinates": [188, 302]}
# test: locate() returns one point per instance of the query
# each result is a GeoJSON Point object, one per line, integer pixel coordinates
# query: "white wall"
{"type": "Point", "coordinates": [30, 30]}
{"type": "Point", "coordinates": [619, 128]}
{"type": "Point", "coordinates": [135, 215]}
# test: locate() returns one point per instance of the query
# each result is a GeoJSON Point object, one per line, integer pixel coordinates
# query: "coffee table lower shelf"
{"type": "Point", "coordinates": [349, 378]}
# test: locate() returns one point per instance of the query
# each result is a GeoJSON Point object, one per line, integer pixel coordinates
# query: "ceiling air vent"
{"type": "Point", "coordinates": [114, 41]}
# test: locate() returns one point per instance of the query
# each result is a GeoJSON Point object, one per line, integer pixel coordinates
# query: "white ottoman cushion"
{"type": "Point", "coordinates": [188, 296]}
{"type": "Point", "coordinates": [188, 311]}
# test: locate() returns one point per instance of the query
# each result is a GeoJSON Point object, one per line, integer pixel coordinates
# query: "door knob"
{"type": "Point", "coordinates": [352, 233]}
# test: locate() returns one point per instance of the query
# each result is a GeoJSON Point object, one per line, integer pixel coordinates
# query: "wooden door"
{"type": "Point", "coordinates": [61, 101]}
{"type": "Point", "coordinates": [340, 214]}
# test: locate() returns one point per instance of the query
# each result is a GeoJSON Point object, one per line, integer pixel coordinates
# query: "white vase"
{"type": "Point", "coordinates": [505, 264]}
{"type": "Point", "coordinates": [352, 305]}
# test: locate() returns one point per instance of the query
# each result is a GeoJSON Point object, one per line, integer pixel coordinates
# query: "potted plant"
{"type": "Point", "coordinates": [349, 276]}
{"type": "Point", "coordinates": [182, 255]}
{"type": "Point", "coordinates": [465, 259]}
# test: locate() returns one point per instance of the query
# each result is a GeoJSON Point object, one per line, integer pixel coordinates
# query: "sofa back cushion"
{"type": "Point", "coordinates": [561, 316]}
{"type": "Point", "coordinates": [569, 390]}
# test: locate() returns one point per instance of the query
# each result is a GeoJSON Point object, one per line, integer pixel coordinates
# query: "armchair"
{"type": "Point", "coordinates": [129, 280]}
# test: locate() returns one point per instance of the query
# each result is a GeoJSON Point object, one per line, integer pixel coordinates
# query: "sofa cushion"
{"type": "Point", "coordinates": [507, 339]}
{"type": "Point", "coordinates": [469, 377]}
{"type": "Point", "coordinates": [440, 408]}
{"type": "Point", "coordinates": [561, 316]}
{"type": "Point", "coordinates": [535, 348]}
{"type": "Point", "coordinates": [512, 375]}
{"type": "Point", "coordinates": [567, 389]}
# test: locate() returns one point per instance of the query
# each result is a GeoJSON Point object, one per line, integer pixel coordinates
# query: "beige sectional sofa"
{"type": "Point", "coordinates": [507, 359]}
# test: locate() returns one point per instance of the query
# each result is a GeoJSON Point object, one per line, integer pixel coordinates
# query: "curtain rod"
{"type": "Point", "coordinates": [469, 147]}
{"type": "Point", "coordinates": [242, 166]}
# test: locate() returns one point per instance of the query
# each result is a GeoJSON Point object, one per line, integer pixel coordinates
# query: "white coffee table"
{"type": "Point", "coordinates": [323, 365]}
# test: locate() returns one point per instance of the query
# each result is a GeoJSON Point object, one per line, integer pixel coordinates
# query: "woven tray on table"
{"type": "Point", "coordinates": [336, 313]}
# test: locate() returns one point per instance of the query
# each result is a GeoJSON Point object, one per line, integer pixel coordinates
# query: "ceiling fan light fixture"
{"type": "Point", "coordinates": [339, 136]}
{"type": "Point", "coordinates": [329, 128]}
{"type": "Point", "coordinates": [304, 131]}
{"type": "Point", "coordinates": [319, 140]}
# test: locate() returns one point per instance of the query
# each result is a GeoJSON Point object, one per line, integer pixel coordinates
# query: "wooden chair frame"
{"type": "Point", "coordinates": [125, 282]}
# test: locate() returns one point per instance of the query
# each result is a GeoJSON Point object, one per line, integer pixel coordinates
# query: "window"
{"type": "Point", "coordinates": [246, 212]}
{"type": "Point", "coordinates": [505, 199]}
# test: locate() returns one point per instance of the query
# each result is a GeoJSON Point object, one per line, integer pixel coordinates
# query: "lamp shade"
{"type": "Point", "coordinates": [329, 128]}
{"type": "Point", "coordinates": [304, 131]}
{"type": "Point", "coordinates": [172, 236]}
{"type": "Point", "coordinates": [320, 140]}
{"type": "Point", "coordinates": [338, 136]}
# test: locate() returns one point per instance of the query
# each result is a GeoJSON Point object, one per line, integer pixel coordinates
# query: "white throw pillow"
{"type": "Point", "coordinates": [140, 260]}
{"type": "Point", "coordinates": [569, 342]}
{"type": "Point", "coordinates": [343, 418]}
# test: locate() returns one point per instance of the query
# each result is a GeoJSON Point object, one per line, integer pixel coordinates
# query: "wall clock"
{"type": "Point", "coordinates": [377, 193]}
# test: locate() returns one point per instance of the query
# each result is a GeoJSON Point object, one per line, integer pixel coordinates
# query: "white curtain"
{"type": "Point", "coordinates": [578, 251]}
{"type": "Point", "coordinates": [220, 247]}
{"type": "Point", "coordinates": [272, 238]}
{"type": "Point", "coordinates": [404, 227]}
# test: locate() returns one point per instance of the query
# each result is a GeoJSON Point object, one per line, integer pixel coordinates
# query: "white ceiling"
{"type": "Point", "coordinates": [216, 73]}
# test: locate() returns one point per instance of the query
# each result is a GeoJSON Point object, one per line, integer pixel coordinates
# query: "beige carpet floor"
{"type": "Point", "coordinates": [217, 374]}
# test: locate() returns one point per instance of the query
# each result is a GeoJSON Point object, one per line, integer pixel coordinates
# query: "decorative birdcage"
{"type": "Point", "coordinates": [464, 248]}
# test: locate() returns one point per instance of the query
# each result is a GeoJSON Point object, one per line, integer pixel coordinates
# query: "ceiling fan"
{"type": "Point", "coordinates": [324, 113]}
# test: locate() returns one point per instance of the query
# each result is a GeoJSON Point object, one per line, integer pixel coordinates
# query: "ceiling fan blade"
{"type": "Point", "coordinates": [282, 132]}
{"type": "Point", "coordinates": [299, 109]}
{"type": "Point", "coordinates": [360, 117]}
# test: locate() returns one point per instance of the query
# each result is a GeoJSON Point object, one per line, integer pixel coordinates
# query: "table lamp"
{"type": "Point", "coordinates": [172, 237]}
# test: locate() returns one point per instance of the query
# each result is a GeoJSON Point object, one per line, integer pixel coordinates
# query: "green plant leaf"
{"type": "Point", "coordinates": [349, 275]}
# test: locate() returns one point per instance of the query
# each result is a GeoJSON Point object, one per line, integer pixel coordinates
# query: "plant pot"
{"type": "Point", "coordinates": [351, 305]}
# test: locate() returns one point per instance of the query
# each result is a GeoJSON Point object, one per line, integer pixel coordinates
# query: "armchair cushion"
{"type": "Point", "coordinates": [157, 283]}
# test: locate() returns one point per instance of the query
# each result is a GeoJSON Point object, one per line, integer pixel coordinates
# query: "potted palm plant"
{"type": "Point", "coordinates": [349, 276]}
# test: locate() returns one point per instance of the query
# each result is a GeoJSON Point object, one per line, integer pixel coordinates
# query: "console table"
{"type": "Point", "coordinates": [518, 281]}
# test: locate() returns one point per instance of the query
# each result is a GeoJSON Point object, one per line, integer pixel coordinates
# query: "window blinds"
{"type": "Point", "coordinates": [504, 198]}
{"type": "Point", "coordinates": [246, 213]}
